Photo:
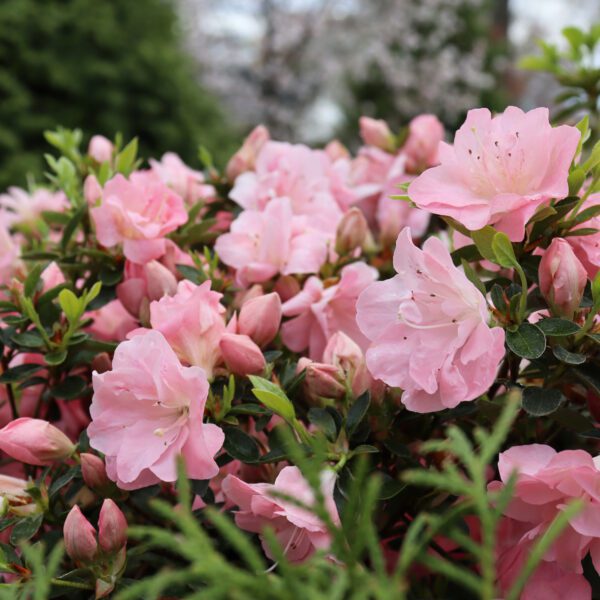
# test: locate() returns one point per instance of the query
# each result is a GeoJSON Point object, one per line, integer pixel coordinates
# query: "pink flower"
{"type": "Point", "coordinates": [587, 247]}
{"type": "Point", "coordinates": [20, 207]}
{"type": "Point", "coordinates": [298, 531]}
{"type": "Point", "coordinates": [562, 278]}
{"type": "Point", "coordinates": [428, 328]}
{"type": "Point", "coordinates": [112, 528]}
{"type": "Point", "coordinates": [499, 170]}
{"type": "Point", "coordinates": [9, 256]}
{"type": "Point", "coordinates": [80, 537]}
{"type": "Point", "coordinates": [260, 318]}
{"type": "Point", "coordinates": [100, 148]}
{"type": "Point", "coordinates": [352, 231]}
{"type": "Point", "coordinates": [193, 323]}
{"type": "Point", "coordinates": [92, 190]}
{"type": "Point", "coordinates": [345, 353]}
{"type": "Point", "coordinates": [35, 442]}
{"type": "Point", "coordinates": [262, 244]}
{"type": "Point", "coordinates": [144, 283]}
{"type": "Point", "coordinates": [375, 132]}
{"type": "Point", "coordinates": [319, 312]}
{"type": "Point", "coordinates": [138, 212]}
{"type": "Point", "coordinates": [321, 380]}
{"type": "Point", "coordinates": [52, 276]}
{"type": "Point", "coordinates": [244, 159]}
{"type": "Point", "coordinates": [295, 172]}
{"type": "Point", "coordinates": [547, 481]}
{"type": "Point", "coordinates": [186, 182]}
{"type": "Point", "coordinates": [425, 132]}
{"type": "Point", "coordinates": [111, 322]}
{"type": "Point", "coordinates": [241, 355]}
{"type": "Point", "coordinates": [93, 472]}
{"type": "Point", "coordinates": [148, 410]}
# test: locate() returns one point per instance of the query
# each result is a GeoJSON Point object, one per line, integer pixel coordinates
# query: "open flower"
{"type": "Point", "coordinates": [499, 170]}
{"type": "Point", "coordinates": [428, 328]}
{"type": "Point", "coordinates": [148, 410]}
{"type": "Point", "coordinates": [20, 207]}
{"type": "Point", "coordinates": [138, 212]}
{"type": "Point", "coordinates": [297, 529]}
{"type": "Point", "coordinates": [547, 481]}
{"type": "Point", "coordinates": [320, 312]}
{"type": "Point", "coordinates": [263, 243]}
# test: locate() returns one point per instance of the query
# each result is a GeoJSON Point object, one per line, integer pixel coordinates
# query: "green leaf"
{"type": "Point", "coordinates": [240, 445]}
{"type": "Point", "coordinates": [472, 276]}
{"type": "Point", "coordinates": [365, 449]}
{"type": "Point", "coordinates": [70, 304]}
{"type": "Point", "coordinates": [32, 281]}
{"type": "Point", "coordinates": [575, 180]}
{"type": "Point", "coordinates": [273, 397]}
{"type": "Point", "coordinates": [527, 341]}
{"type": "Point", "coordinates": [25, 529]}
{"type": "Point", "coordinates": [126, 158]}
{"type": "Point", "coordinates": [503, 250]}
{"type": "Point", "coordinates": [56, 357]}
{"type": "Point", "coordinates": [321, 418]}
{"type": "Point", "coordinates": [539, 402]}
{"type": "Point", "coordinates": [357, 412]}
{"type": "Point", "coordinates": [570, 358]}
{"type": "Point", "coordinates": [72, 225]}
{"type": "Point", "coordinates": [556, 327]}
{"type": "Point", "coordinates": [483, 239]}
{"type": "Point", "coordinates": [249, 408]}
{"type": "Point", "coordinates": [70, 387]}
{"type": "Point", "coordinates": [19, 373]}
{"type": "Point", "coordinates": [28, 339]}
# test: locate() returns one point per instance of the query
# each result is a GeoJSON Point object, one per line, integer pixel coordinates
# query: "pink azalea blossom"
{"type": "Point", "coordinates": [320, 312]}
{"type": "Point", "coordinates": [587, 247]}
{"type": "Point", "coordinates": [499, 170]}
{"type": "Point", "coordinates": [192, 321]}
{"type": "Point", "coordinates": [375, 132]}
{"type": "Point", "coordinates": [52, 276]}
{"type": "Point", "coordinates": [138, 212]}
{"type": "Point", "coordinates": [547, 481]}
{"type": "Point", "coordinates": [298, 531]}
{"type": "Point", "coordinates": [245, 158]}
{"type": "Point", "coordinates": [262, 244]}
{"type": "Point", "coordinates": [295, 172]}
{"type": "Point", "coordinates": [9, 256]}
{"type": "Point", "coordinates": [428, 328]}
{"type": "Point", "coordinates": [189, 184]}
{"type": "Point", "coordinates": [20, 207]}
{"type": "Point", "coordinates": [148, 410]}
{"type": "Point", "coordinates": [100, 148]}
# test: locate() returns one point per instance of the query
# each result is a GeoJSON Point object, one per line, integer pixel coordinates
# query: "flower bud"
{"type": "Point", "coordinates": [80, 537]}
{"type": "Point", "coordinates": [94, 472]}
{"type": "Point", "coordinates": [287, 287]}
{"type": "Point", "coordinates": [100, 148]}
{"type": "Point", "coordinates": [112, 528]}
{"type": "Point", "coordinates": [421, 147]}
{"type": "Point", "coordinates": [159, 280]}
{"type": "Point", "coordinates": [336, 150]}
{"type": "Point", "coordinates": [562, 278]}
{"type": "Point", "coordinates": [241, 355]}
{"type": "Point", "coordinates": [351, 232]}
{"type": "Point", "coordinates": [92, 192]}
{"type": "Point", "coordinates": [260, 318]}
{"type": "Point", "coordinates": [344, 353]}
{"type": "Point", "coordinates": [375, 132]}
{"type": "Point", "coordinates": [35, 442]}
{"type": "Point", "coordinates": [322, 380]}
{"type": "Point", "coordinates": [244, 159]}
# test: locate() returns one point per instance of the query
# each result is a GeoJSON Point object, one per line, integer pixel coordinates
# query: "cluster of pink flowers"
{"type": "Point", "coordinates": [318, 264]}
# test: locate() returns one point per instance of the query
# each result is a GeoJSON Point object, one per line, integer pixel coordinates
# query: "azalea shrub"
{"type": "Point", "coordinates": [313, 375]}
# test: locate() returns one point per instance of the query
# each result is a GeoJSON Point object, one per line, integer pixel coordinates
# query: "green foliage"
{"type": "Point", "coordinates": [110, 66]}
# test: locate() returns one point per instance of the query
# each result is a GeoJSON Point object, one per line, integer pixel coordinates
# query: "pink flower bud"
{"type": "Point", "coordinates": [100, 148]}
{"type": "Point", "coordinates": [336, 150]}
{"type": "Point", "coordinates": [351, 232]}
{"type": "Point", "coordinates": [344, 353]}
{"type": "Point", "coordinates": [421, 147]}
{"type": "Point", "coordinates": [92, 192]}
{"type": "Point", "coordinates": [35, 442]}
{"type": "Point", "coordinates": [80, 537]}
{"type": "Point", "coordinates": [287, 287]}
{"type": "Point", "coordinates": [260, 318]}
{"type": "Point", "coordinates": [241, 355]}
{"type": "Point", "coordinates": [244, 159]}
{"type": "Point", "coordinates": [562, 278]}
{"type": "Point", "coordinates": [159, 280]}
{"type": "Point", "coordinates": [375, 132]}
{"type": "Point", "coordinates": [112, 528]}
{"type": "Point", "coordinates": [322, 380]}
{"type": "Point", "coordinates": [94, 471]}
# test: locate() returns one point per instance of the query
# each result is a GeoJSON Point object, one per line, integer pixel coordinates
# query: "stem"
{"type": "Point", "coordinates": [71, 584]}
{"type": "Point", "coordinates": [523, 298]}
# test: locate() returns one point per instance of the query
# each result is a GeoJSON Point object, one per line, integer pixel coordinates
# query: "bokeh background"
{"type": "Point", "coordinates": [184, 73]}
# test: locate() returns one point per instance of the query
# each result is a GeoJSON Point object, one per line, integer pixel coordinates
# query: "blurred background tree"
{"type": "Point", "coordinates": [104, 66]}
